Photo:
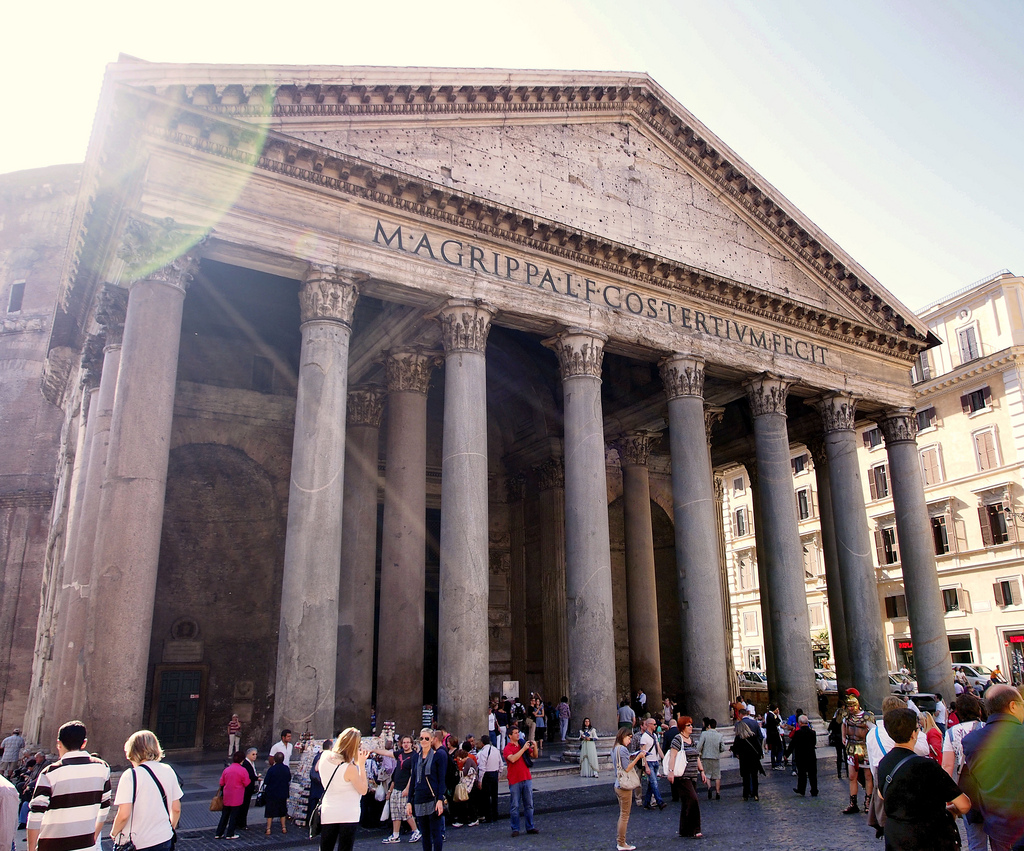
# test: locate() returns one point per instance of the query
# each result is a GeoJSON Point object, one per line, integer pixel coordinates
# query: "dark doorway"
{"type": "Point", "coordinates": [177, 698]}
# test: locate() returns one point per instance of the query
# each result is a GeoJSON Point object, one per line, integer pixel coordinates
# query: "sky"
{"type": "Point", "coordinates": [896, 126]}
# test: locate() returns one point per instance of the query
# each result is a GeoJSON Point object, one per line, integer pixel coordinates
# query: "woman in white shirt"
{"type": "Point", "coordinates": [148, 797]}
{"type": "Point", "coordinates": [343, 773]}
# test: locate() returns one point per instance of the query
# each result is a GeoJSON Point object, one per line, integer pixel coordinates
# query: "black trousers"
{"type": "Point", "coordinates": [243, 811]}
{"type": "Point", "coordinates": [749, 775]}
{"type": "Point", "coordinates": [804, 772]}
{"type": "Point", "coordinates": [489, 786]}
{"type": "Point", "coordinates": [344, 835]}
{"type": "Point", "coordinates": [228, 818]}
{"type": "Point", "coordinates": [841, 761]}
{"type": "Point", "coordinates": [689, 813]}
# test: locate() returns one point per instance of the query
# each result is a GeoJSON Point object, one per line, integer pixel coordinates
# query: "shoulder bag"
{"type": "Point", "coordinates": [128, 845]}
{"type": "Point", "coordinates": [627, 778]}
{"type": "Point", "coordinates": [314, 817]}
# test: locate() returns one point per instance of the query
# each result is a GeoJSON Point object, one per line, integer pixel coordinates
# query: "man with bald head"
{"type": "Point", "coordinates": [993, 756]}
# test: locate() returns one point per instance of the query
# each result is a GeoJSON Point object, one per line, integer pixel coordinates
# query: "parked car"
{"type": "Point", "coordinates": [901, 683]}
{"type": "Point", "coordinates": [825, 680]}
{"type": "Point", "coordinates": [977, 675]}
{"type": "Point", "coordinates": [752, 679]}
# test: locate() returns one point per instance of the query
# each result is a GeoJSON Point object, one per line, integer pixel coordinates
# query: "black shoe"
{"type": "Point", "coordinates": [799, 792]}
{"type": "Point", "coordinates": [879, 832]}
{"type": "Point", "coordinates": [21, 826]}
{"type": "Point", "coordinates": [515, 833]}
{"type": "Point", "coordinates": [718, 796]}
{"type": "Point", "coordinates": [709, 794]}
{"type": "Point", "coordinates": [850, 810]}
{"type": "Point", "coordinates": [662, 805]}
{"type": "Point", "coordinates": [814, 793]}
{"type": "Point", "coordinates": [533, 830]}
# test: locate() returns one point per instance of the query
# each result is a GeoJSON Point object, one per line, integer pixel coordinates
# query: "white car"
{"type": "Point", "coordinates": [825, 680]}
{"type": "Point", "coordinates": [901, 684]}
{"type": "Point", "coordinates": [752, 679]}
{"type": "Point", "coordinates": [977, 675]}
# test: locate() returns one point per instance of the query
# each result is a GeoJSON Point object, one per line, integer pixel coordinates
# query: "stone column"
{"type": "Point", "coordinates": [641, 584]}
{"type": "Point", "coordinates": [588, 569]}
{"type": "Point", "coordinates": [463, 651]}
{"type": "Point", "coordinates": [763, 591]}
{"type": "Point", "coordinates": [783, 568]}
{"type": "Point", "coordinates": [79, 574]}
{"type": "Point", "coordinates": [554, 628]}
{"type": "Point", "coordinates": [863, 618]}
{"type": "Point", "coordinates": [515, 491]}
{"type": "Point", "coordinates": [917, 554]}
{"type": "Point", "coordinates": [130, 515]}
{"type": "Point", "coordinates": [307, 642]}
{"type": "Point", "coordinates": [833, 582]}
{"type": "Point", "coordinates": [403, 553]}
{"type": "Point", "coordinates": [698, 564]}
{"type": "Point", "coordinates": [356, 597]}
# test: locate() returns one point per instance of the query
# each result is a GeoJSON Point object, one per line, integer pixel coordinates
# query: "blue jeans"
{"type": "Point", "coordinates": [522, 793]}
{"type": "Point", "coordinates": [652, 785]}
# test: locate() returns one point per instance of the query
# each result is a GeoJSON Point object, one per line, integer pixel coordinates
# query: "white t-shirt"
{"type": "Point", "coordinates": [941, 713]}
{"type": "Point", "coordinates": [281, 747]}
{"type": "Point", "coordinates": [649, 744]}
{"type": "Point", "coordinates": [880, 743]}
{"type": "Point", "coordinates": [149, 823]}
{"type": "Point", "coordinates": [953, 742]}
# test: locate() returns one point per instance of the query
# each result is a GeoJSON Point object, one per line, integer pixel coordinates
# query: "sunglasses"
{"type": "Point", "coordinates": [424, 738]}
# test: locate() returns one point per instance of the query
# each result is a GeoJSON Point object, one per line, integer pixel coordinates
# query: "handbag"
{"type": "Point", "coordinates": [217, 804]}
{"type": "Point", "coordinates": [461, 792]}
{"type": "Point", "coordinates": [381, 793]}
{"type": "Point", "coordinates": [385, 813]}
{"type": "Point", "coordinates": [315, 816]}
{"type": "Point", "coordinates": [129, 845]}
{"type": "Point", "coordinates": [626, 778]}
{"type": "Point", "coordinates": [260, 798]}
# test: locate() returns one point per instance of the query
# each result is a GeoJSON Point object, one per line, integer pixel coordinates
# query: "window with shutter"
{"type": "Point", "coordinates": [963, 599]}
{"type": "Point", "coordinates": [803, 504]}
{"type": "Point", "coordinates": [896, 606]}
{"type": "Point", "coordinates": [997, 523]}
{"type": "Point", "coordinates": [1007, 592]}
{"type": "Point", "coordinates": [969, 348]}
{"type": "Point", "coordinates": [925, 419]}
{"type": "Point", "coordinates": [960, 535]}
{"type": "Point", "coordinates": [892, 553]}
{"type": "Point", "coordinates": [985, 450]}
{"type": "Point", "coordinates": [950, 600]}
{"type": "Point", "coordinates": [976, 400]}
{"type": "Point", "coordinates": [940, 535]}
{"type": "Point", "coordinates": [930, 465]}
{"type": "Point", "coordinates": [999, 590]}
{"type": "Point", "coordinates": [879, 547]}
{"type": "Point", "coordinates": [16, 297]}
{"type": "Point", "coordinates": [881, 480]}
{"type": "Point", "coordinates": [871, 484]}
{"type": "Point", "coordinates": [986, 528]}
{"type": "Point", "coordinates": [1015, 597]}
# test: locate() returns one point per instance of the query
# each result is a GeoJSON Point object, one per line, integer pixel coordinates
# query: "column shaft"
{"type": "Point", "coordinates": [791, 631]}
{"type": "Point", "coordinates": [641, 582]}
{"type": "Point", "coordinates": [130, 516]}
{"type": "Point", "coordinates": [698, 564]}
{"type": "Point", "coordinates": [917, 555]}
{"type": "Point", "coordinates": [400, 631]}
{"type": "Point", "coordinates": [554, 627]}
{"type": "Point", "coordinates": [463, 651]}
{"type": "Point", "coordinates": [307, 641]}
{"type": "Point", "coordinates": [833, 582]}
{"type": "Point", "coordinates": [863, 618]}
{"type": "Point", "coordinates": [356, 598]}
{"type": "Point", "coordinates": [588, 571]}
{"type": "Point", "coordinates": [515, 491]}
{"type": "Point", "coordinates": [763, 586]}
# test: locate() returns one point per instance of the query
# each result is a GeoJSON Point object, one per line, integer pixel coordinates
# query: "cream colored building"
{"type": "Point", "coordinates": [970, 438]}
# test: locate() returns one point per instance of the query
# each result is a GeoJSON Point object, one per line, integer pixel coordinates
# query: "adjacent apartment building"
{"type": "Point", "coordinates": [970, 404]}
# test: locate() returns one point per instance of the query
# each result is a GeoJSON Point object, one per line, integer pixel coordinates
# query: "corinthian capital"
{"type": "Point", "coordinates": [550, 474]}
{"type": "Point", "coordinates": [111, 306]}
{"type": "Point", "coordinates": [515, 488]}
{"type": "Point", "coordinates": [365, 405]}
{"type": "Point", "coordinates": [713, 415]}
{"type": "Point", "coordinates": [409, 369]}
{"type": "Point", "coordinates": [838, 411]}
{"type": "Point", "coordinates": [580, 352]}
{"type": "Point", "coordinates": [464, 325]}
{"type": "Point", "coordinates": [898, 425]}
{"type": "Point", "coordinates": [160, 250]}
{"type": "Point", "coordinates": [635, 448]}
{"type": "Point", "coordinates": [328, 293]}
{"type": "Point", "coordinates": [682, 375]}
{"type": "Point", "coordinates": [767, 394]}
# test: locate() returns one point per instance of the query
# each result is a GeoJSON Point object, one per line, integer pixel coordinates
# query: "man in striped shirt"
{"type": "Point", "coordinates": [72, 796]}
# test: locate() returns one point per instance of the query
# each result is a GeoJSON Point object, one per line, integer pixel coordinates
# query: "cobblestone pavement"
{"type": "Point", "coordinates": [577, 814]}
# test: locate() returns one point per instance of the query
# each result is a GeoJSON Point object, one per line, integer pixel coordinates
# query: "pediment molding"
{"type": "Point", "coordinates": [648, 106]}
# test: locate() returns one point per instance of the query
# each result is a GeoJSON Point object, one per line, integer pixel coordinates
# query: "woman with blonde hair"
{"type": "Point", "coordinates": [621, 761]}
{"type": "Point", "coordinates": [343, 773]}
{"type": "Point", "coordinates": [933, 735]}
{"type": "Point", "coordinates": [148, 799]}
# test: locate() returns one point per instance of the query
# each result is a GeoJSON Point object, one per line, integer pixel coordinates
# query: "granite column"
{"type": "Point", "coordinates": [307, 642]}
{"type": "Point", "coordinates": [783, 568]}
{"type": "Point", "coordinates": [130, 516]}
{"type": "Point", "coordinates": [925, 611]}
{"type": "Point", "coordinates": [698, 564]}
{"type": "Point", "coordinates": [356, 593]}
{"type": "Point", "coordinates": [641, 584]}
{"type": "Point", "coordinates": [463, 650]}
{"type": "Point", "coordinates": [864, 632]}
{"type": "Point", "coordinates": [764, 591]}
{"type": "Point", "coordinates": [400, 630]}
{"type": "Point", "coordinates": [554, 628]}
{"type": "Point", "coordinates": [833, 580]}
{"type": "Point", "coordinates": [588, 570]}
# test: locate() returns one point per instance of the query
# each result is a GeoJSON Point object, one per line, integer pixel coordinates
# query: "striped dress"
{"type": "Point", "coordinates": [72, 798]}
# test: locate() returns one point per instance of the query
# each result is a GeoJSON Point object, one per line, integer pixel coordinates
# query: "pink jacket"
{"type": "Point", "coordinates": [234, 779]}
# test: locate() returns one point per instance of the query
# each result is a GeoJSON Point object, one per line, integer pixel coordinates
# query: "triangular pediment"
{"type": "Point", "coordinates": [609, 163]}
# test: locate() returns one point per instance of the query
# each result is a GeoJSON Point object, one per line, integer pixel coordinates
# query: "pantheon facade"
{"type": "Point", "coordinates": [386, 386]}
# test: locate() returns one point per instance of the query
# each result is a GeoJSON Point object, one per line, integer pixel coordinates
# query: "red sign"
{"type": "Point", "coordinates": [908, 645]}
{"type": "Point", "coordinates": [1016, 639]}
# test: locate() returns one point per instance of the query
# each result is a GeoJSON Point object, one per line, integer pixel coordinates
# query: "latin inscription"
{"type": "Point", "coordinates": [615, 297]}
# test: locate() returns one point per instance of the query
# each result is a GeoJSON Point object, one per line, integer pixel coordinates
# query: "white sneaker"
{"type": "Point", "coordinates": [415, 836]}
{"type": "Point", "coordinates": [390, 840]}
{"type": "Point", "coordinates": [625, 848]}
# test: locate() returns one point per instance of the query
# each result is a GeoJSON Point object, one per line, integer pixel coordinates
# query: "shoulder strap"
{"type": "Point", "coordinates": [328, 786]}
{"type": "Point", "coordinates": [878, 738]}
{"type": "Point", "coordinates": [892, 774]}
